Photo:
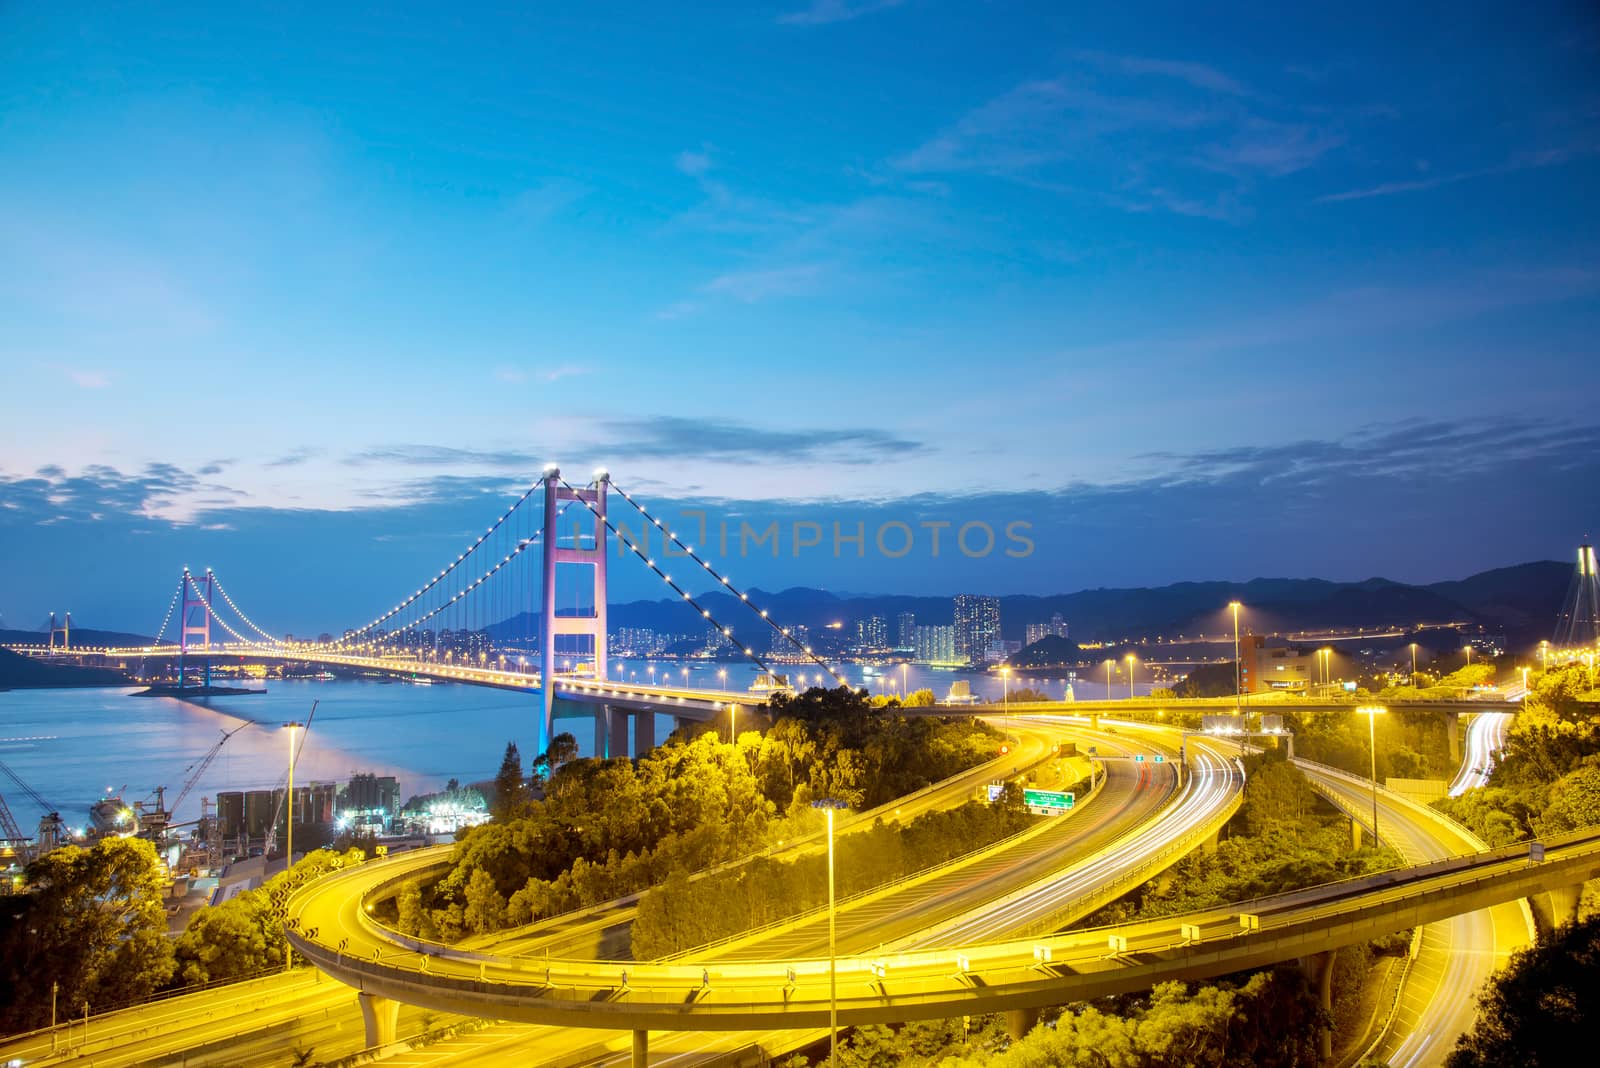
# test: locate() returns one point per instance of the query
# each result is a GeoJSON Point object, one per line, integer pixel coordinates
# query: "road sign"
{"type": "Point", "coordinates": [1139, 758]}
{"type": "Point", "coordinates": [1049, 801]}
{"type": "Point", "coordinates": [1160, 759]}
{"type": "Point", "coordinates": [995, 790]}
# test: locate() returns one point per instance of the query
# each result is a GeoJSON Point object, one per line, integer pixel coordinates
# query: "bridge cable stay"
{"type": "Point", "coordinates": [442, 575]}
{"type": "Point", "coordinates": [465, 589]}
{"type": "Point", "coordinates": [743, 597]}
{"type": "Point", "coordinates": [172, 604]}
{"type": "Point", "coordinates": [649, 561]}
{"type": "Point", "coordinates": [239, 611]}
{"type": "Point", "coordinates": [212, 612]}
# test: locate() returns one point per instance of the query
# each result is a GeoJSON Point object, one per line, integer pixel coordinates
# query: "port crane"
{"type": "Point", "coordinates": [155, 824]}
{"type": "Point", "coordinates": [51, 831]}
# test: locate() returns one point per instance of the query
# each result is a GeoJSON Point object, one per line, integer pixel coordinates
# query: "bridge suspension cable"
{"type": "Point", "coordinates": [705, 613]}
{"type": "Point", "coordinates": [176, 593]}
{"type": "Point", "coordinates": [723, 579]}
{"type": "Point", "coordinates": [441, 576]}
{"type": "Point", "coordinates": [239, 611]}
{"type": "Point", "coordinates": [212, 612]}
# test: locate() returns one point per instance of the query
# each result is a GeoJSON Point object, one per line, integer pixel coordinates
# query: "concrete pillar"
{"type": "Point", "coordinates": [602, 732]}
{"type": "Point", "coordinates": [1319, 969]}
{"type": "Point", "coordinates": [1094, 721]}
{"type": "Point", "coordinates": [617, 742]}
{"type": "Point", "coordinates": [1020, 1021]}
{"type": "Point", "coordinates": [641, 1049]}
{"type": "Point", "coordinates": [644, 732]}
{"type": "Point", "coordinates": [380, 1016]}
{"type": "Point", "coordinates": [1355, 835]}
{"type": "Point", "coordinates": [1209, 846]}
{"type": "Point", "coordinates": [1290, 750]}
{"type": "Point", "coordinates": [1556, 906]}
{"type": "Point", "coordinates": [1452, 730]}
{"type": "Point", "coordinates": [680, 722]}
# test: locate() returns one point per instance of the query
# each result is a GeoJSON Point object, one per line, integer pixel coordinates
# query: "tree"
{"type": "Point", "coordinates": [510, 789]}
{"type": "Point", "coordinates": [93, 924]}
{"type": "Point", "coordinates": [1542, 1009]}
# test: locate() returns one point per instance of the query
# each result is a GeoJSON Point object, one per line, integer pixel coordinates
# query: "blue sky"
{"type": "Point", "coordinates": [1198, 296]}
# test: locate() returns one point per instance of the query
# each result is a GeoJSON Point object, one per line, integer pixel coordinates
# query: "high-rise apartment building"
{"type": "Point", "coordinates": [935, 645]}
{"type": "Point", "coordinates": [977, 624]}
{"type": "Point", "coordinates": [905, 630]}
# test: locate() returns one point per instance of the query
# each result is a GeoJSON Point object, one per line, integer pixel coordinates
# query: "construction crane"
{"type": "Point", "coordinates": [51, 831]}
{"type": "Point", "coordinates": [198, 768]}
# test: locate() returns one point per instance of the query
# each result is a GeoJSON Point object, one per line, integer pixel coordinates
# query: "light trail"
{"type": "Point", "coordinates": [1486, 736]}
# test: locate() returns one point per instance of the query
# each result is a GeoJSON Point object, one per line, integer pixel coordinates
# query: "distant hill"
{"type": "Point", "coordinates": [1049, 651]}
{"type": "Point", "coordinates": [18, 672]}
{"type": "Point", "coordinates": [1520, 601]}
{"type": "Point", "coordinates": [80, 636]}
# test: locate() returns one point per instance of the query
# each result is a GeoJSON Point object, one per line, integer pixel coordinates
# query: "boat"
{"type": "Point", "coordinates": [110, 815]}
{"type": "Point", "coordinates": [420, 680]}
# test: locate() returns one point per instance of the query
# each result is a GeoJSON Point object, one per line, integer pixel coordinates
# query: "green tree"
{"type": "Point", "coordinates": [510, 788]}
{"type": "Point", "coordinates": [244, 935]}
{"type": "Point", "coordinates": [1540, 1010]}
{"type": "Point", "coordinates": [93, 923]}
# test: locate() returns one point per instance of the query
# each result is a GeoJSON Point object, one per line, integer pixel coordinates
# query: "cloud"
{"type": "Point", "coordinates": [295, 457]}
{"type": "Point", "coordinates": [825, 12]}
{"type": "Point", "coordinates": [1524, 162]}
{"type": "Point", "coordinates": [723, 441]}
{"type": "Point", "coordinates": [1134, 132]}
{"type": "Point", "coordinates": [1198, 75]}
{"type": "Point", "coordinates": [693, 164]}
{"type": "Point", "coordinates": [445, 456]}
{"type": "Point", "coordinates": [751, 287]}
{"type": "Point", "coordinates": [90, 379]}
{"type": "Point", "coordinates": [540, 202]}
{"type": "Point", "coordinates": [518, 375]}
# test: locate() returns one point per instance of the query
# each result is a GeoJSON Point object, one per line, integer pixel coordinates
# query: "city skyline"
{"type": "Point", "coordinates": [319, 325]}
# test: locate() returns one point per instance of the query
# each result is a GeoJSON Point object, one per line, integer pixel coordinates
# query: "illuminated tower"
{"type": "Point", "coordinates": [1579, 621]}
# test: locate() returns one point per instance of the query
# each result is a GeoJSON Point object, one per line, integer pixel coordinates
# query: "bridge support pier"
{"type": "Point", "coordinates": [1355, 835]}
{"type": "Point", "coordinates": [1319, 969]}
{"type": "Point", "coordinates": [641, 1049]}
{"type": "Point", "coordinates": [380, 1016]}
{"type": "Point", "coordinates": [1020, 1021]}
{"type": "Point", "coordinates": [1556, 906]}
{"type": "Point", "coordinates": [610, 732]}
{"type": "Point", "coordinates": [1452, 730]}
{"type": "Point", "coordinates": [644, 732]}
{"type": "Point", "coordinates": [1094, 721]}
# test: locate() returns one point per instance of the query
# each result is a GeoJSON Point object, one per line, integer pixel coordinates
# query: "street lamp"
{"type": "Point", "coordinates": [1524, 684]}
{"type": "Point", "coordinates": [288, 861]}
{"type": "Point", "coordinates": [1468, 650]}
{"type": "Point", "coordinates": [1109, 663]}
{"type": "Point", "coordinates": [722, 677]}
{"type": "Point", "coordinates": [1413, 665]}
{"type": "Point", "coordinates": [1130, 658]}
{"type": "Point", "coordinates": [828, 804]}
{"type": "Point", "coordinates": [1372, 712]}
{"type": "Point", "coordinates": [1237, 685]}
{"type": "Point", "coordinates": [903, 690]}
{"type": "Point", "coordinates": [733, 732]}
{"type": "Point", "coordinates": [1005, 683]}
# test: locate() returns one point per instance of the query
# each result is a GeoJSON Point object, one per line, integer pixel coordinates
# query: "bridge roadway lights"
{"type": "Point", "coordinates": [380, 1015]}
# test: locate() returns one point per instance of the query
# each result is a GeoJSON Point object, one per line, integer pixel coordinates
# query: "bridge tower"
{"type": "Point", "coordinates": [196, 594]}
{"type": "Point", "coordinates": [1579, 622]}
{"type": "Point", "coordinates": [65, 630]}
{"type": "Point", "coordinates": [589, 551]}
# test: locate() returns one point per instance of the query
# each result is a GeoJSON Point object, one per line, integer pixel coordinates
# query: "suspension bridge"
{"type": "Point", "coordinates": [458, 623]}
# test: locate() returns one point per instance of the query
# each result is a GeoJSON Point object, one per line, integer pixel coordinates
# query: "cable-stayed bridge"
{"type": "Point", "coordinates": [497, 595]}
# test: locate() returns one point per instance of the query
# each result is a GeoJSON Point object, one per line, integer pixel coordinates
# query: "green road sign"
{"type": "Point", "coordinates": [1138, 758]}
{"type": "Point", "coordinates": [1160, 759]}
{"type": "Point", "coordinates": [1053, 799]}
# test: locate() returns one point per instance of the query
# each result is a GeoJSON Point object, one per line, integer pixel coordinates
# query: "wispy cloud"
{"type": "Point", "coordinates": [294, 457]}
{"type": "Point", "coordinates": [824, 12]}
{"type": "Point", "coordinates": [693, 164]}
{"type": "Point", "coordinates": [720, 440]}
{"type": "Point", "coordinates": [445, 456]}
{"type": "Point", "coordinates": [519, 375]}
{"type": "Point", "coordinates": [1530, 161]}
{"type": "Point", "coordinates": [90, 379]}
{"type": "Point", "coordinates": [750, 287]}
{"type": "Point", "coordinates": [1135, 132]}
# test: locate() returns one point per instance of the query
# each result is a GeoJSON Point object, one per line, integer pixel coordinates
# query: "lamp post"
{"type": "Point", "coordinates": [1524, 684]}
{"type": "Point", "coordinates": [828, 804]}
{"type": "Point", "coordinates": [1005, 682]}
{"type": "Point", "coordinates": [288, 856]}
{"type": "Point", "coordinates": [1237, 684]}
{"type": "Point", "coordinates": [903, 690]}
{"type": "Point", "coordinates": [1413, 665]}
{"type": "Point", "coordinates": [1131, 660]}
{"type": "Point", "coordinates": [1372, 712]}
{"type": "Point", "coordinates": [722, 677]}
{"type": "Point", "coordinates": [1468, 650]}
{"type": "Point", "coordinates": [733, 731]}
{"type": "Point", "coordinates": [1109, 663]}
